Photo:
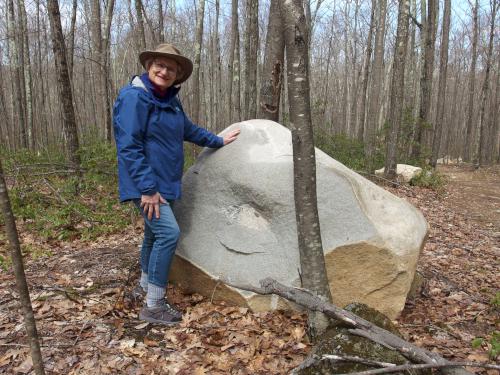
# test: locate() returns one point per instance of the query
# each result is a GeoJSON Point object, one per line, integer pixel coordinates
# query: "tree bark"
{"type": "Point", "coordinates": [140, 24]}
{"type": "Point", "coordinates": [468, 141]}
{"type": "Point", "coordinates": [312, 260]}
{"type": "Point", "coordinates": [424, 121]}
{"type": "Point", "coordinates": [22, 285]}
{"type": "Point", "coordinates": [106, 57]}
{"type": "Point", "coordinates": [366, 71]}
{"type": "Point", "coordinates": [18, 87]}
{"type": "Point", "coordinates": [274, 59]}
{"type": "Point", "coordinates": [377, 85]}
{"type": "Point", "coordinates": [65, 94]}
{"type": "Point", "coordinates": [483, 124]}
{"type": "Point", "coordinates": [71, 39]}
{"type": "Point", "coordinates": [197, 61]}
{"type": "Point", "coordinates": [233, 69]}
{"type": "Point", "coordinates": [161, 33]}
{"type": "Point", "coordinates": [397, 89]}
{"type": "Point", "coordinates": [98, 58]}
{"type": "Point", "coordinates": [443, 71]}
{"type": "Point", "coordinates": [28, 85]}
{"type": "Point", "coordinates": [251, 50]}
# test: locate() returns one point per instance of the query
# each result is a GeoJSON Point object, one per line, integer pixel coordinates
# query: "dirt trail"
{"type": "Point", "coordinates": [475, 193]}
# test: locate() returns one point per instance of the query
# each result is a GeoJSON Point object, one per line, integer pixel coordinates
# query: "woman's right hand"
{"type": "Point", "coordinates": [151, 205]}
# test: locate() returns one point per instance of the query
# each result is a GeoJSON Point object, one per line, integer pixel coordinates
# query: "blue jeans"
{"type": "Point", "coordinates": [160, 241]}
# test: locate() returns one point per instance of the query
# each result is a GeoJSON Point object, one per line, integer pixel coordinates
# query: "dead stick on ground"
{"type": "Point", "coordinates": [360, 326]}
{"type": "Point", "coordinates": [423, 366]}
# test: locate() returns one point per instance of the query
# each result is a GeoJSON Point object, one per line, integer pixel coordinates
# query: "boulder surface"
{"type": "Point", "coordinates": [237, 220]}
{"type": "Point", "coordinates": [404, 171]}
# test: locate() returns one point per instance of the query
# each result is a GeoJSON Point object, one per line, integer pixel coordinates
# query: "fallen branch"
{"type": "Point", "coordinates": [335, 358]}
{"type": "Point", "coordinates": [360, 326]}
{"type": "Point", "coordinates": [386, 370]}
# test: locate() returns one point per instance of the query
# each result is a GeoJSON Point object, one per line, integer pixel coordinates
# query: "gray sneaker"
{"type": "Point", "coordinates": [164, 314]}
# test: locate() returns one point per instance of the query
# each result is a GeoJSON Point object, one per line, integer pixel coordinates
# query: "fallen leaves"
{"type": "Point", "coordinates": [88, 321]}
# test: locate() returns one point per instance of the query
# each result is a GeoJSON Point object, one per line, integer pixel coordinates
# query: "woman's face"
{"type": "Point", "coordinates": [163, 72]}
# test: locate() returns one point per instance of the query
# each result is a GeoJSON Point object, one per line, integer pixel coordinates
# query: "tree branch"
{"type": "Point", "coordinates": [359, 325]}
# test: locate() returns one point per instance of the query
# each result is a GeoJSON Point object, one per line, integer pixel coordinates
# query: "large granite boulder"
{"type": "Point", "coordinates": [237, 219]}
{"type": "Point", "coordinates": [404, 171]}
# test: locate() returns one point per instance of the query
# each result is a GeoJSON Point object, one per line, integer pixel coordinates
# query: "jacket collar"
{"type": "Point", "coordinates": [145, 83]}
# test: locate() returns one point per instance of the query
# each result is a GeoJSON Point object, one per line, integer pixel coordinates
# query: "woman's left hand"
{"type": "Point", "coordinates": [231, 136]}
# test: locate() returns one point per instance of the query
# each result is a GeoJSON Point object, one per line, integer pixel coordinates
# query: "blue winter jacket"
{"type": "Point", "coordinates": [149, 135]}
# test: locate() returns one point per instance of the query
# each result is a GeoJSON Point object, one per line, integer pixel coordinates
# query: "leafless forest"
{"type": "Point", "coordinates": [417, 78]}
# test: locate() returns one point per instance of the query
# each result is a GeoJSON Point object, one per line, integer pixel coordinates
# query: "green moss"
{"type": "Point", "coordinates": [339, 341]}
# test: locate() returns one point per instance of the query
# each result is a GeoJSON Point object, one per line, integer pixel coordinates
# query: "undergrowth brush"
{"type": "Point", "coordinates": [53, 203]}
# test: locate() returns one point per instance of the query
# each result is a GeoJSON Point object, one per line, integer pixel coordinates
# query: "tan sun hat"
{"type": "Point", "coordinates": [171, 52]}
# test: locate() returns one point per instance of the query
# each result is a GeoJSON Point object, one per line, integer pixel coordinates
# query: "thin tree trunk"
{"type": "Point", "coordinates": [355, 76]}
{"type": "Point", "coordinates": [219, 117]}
{"type": "Point", "coordinates": [468, 141]}
{"type": "Point", "coordinates": [397, 89]}
{"type": "Point", "coordinates": [483, 125]}
{"type": "Point", "coordinates": [197, 61]}
{"type": "Point", "coordinates": [377, 85]}
{"type": "Point", "coordinates": [366, 71]}
{"type": "Point", "coordinates": [106, 69]}
{"type": "Point", "coordinates": [232, 60]}
{"type": "Point", "coordinates": [424, 120]}
{"type": "Point", "coordinates": [97, 54]}
{"type": "Point", "coordinates": [443, 71]}
{"type": "Point", "coordinates": [22, 285]}
{"type": "Point", "coordinates": [140, 24]}
{"type": "Point", "coordinates": [161, 33]}
{"type": "Point", "coordinates": [28, 85]}
{"type": "Point", "coordinates": [272, 75]}
{"type": "Point", "coordinates": [65, 94]}
{"type": "Point", "coordinates": [71, 39]}
{"type": "Point", "coordinates": [18, 88]}
{"type": "Point", "coordinates": [251, 50]}
{"type": "Point", "coordinates": [237, 77]}
{"type": "Point", "coordinates": [312, 260]}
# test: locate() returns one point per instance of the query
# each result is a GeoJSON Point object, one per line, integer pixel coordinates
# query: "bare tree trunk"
{"type": "Point", "coordinates": [28, 86]}
{"type": "Point", "coordinates": [443, 71]}
{"type": "Point", "coordinates": [97, 55]}
{"type": "Point", "coordinates": [272, 75]}
{"type": "Point", "coordinates": [161, 33]}
{"type": "Point", "coordinates": [344, 117]}
{"type": "Point", "coordinates": [483, 125]}
{"type": "Point", "coordinates": [106, 71]}
{"type": "Point", "coordinates": [424, 121]}
{"type": "Point", "coordinates": [219, 118]}
{"type": "Point", "coordinates": [65, 94]}
{"type": "Point", "coordinates": [312, 260]}
{"type": "Point", "coordinates": [22, 285]}
{"type": "Point", "coordinates": [377, 85]}
{"type": "Point", "coordinates": [140, 24]}
{"type": "Point", "coordinates": [472, 83]}
{"type": "Point", "coordinates": [71, 39]}
{"type": "Point", "coordinates": [251, 50]}
{"type": "Point", "coordinates": [18, 88]}
{"type": "Point", "coordinates": [397, 89]}
{"type": "Point", "coordinates": [237, 77]}
{"type": "Point", "coordinates": [366, 71]}
{"type": "Point", "coordinates": [355, 76]}
{"type": "Point", "coordinates": [197, 61]}
{"type": "Point", "coordinates": [494, 117]}
{"type": "Point", "coordinates": [233, 78]}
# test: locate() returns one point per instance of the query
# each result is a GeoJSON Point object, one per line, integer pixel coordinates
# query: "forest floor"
{"type": "Point", "coordinates": [88, 320]}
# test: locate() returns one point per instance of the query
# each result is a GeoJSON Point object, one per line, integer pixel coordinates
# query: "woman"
{"type": "Point", "coordinates": [150, 128]}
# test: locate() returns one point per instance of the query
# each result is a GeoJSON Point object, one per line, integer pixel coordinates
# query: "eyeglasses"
{"type": "Point", "coordinates": [161, 66]}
